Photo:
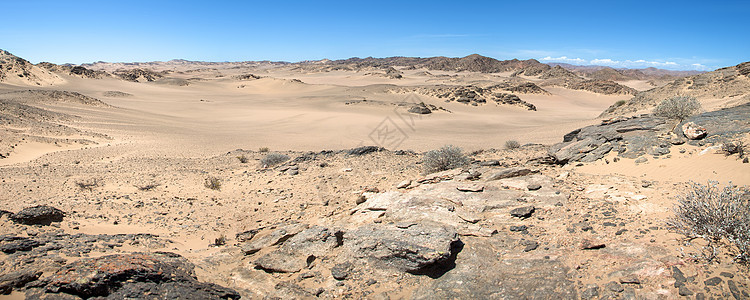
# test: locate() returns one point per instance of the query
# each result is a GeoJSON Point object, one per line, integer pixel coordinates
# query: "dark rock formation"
{"type": "Point", "coordinates": [38, 215]}
{"type": "Point", "coordinates": [637, 136]}
{"type": "Point", "coordinates": [606, 87]}
{"type": "Point", "coordinates": [133, 276]}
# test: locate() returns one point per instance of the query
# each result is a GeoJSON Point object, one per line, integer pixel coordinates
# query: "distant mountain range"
{"type": "Point", "coordinates": [608, 73]}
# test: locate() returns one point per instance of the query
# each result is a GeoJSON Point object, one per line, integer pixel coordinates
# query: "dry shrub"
{"type": "Point", "coordinates": [273, 159]}
{"type": "Point", "coordinates": [213, 183]}
{"type": "Point", "coordinates": [678, 108]}
{"type": "Point", "coordinates": [512, 144]}
{"type": "Point", "coordinates": [721, 216]}
{"type": "Point", "coordinates": [89, 184]}
{"type": "Point", "coordinates": [446, 158]}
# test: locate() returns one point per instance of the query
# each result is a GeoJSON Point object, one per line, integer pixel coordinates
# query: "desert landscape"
{"type": "Point", "coordinates": [335, 179]}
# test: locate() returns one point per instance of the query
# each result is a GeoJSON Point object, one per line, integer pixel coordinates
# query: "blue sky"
{"type": "Point", "coordinates": [666, 34]}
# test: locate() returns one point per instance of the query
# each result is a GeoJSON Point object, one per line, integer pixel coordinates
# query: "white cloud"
{"type": "Point", "coordinates": [564, 59]}
{"type": "Point", "coordinates": [639, 63]}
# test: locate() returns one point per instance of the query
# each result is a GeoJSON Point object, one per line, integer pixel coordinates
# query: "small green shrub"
{"type": "Point", "coordinates": [242, 158]}
{"type": "Point", "coordinates": [273, 159]}
{"type": "Point", "coordinates": [263, 149]}
{"type": "Point", "coordinates": [512, 144]}
{"type": "Point", "coordinates": [446, 158]}
{"type": "Point", "coordinates": [620, 103]}
{"type": "Point", "coordinates": [213, 183]}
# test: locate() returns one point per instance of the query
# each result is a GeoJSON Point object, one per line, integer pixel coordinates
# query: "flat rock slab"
{"type": "Point", "coordinates": [508, 173]}
{"type": "Point", "coordinates": [300, 250]}
{"type": "Point", "coordinates": [471, 188]}
{"type": "Point", "coordinates": [482, 273]}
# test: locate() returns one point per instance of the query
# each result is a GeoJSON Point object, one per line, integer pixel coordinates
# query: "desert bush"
{"type": "Point", "coordinates": [242, 158]}
{"type": "Point", "coordinates": [273, 159]}
{"type": "Point", "coordinates": [717, 215]}
{"type": "Point", "coordinates": [263, 149]}
{"type": "Point", "coordinates": [147, 187]}
{"type": "Point", "coordinates": [619, 103]}
{"type": "Point", "coordinates": [736, 147]}
{"type": "Point", "coordinates": [512, 144]}
{"type": "Point", "coordinates": [446, 158]}
{"type": "Point", "coordinates": [89, 184]}
{"type": "Point", "coordinates": [678, 108]}
{"type": "Point", "coordinates": [220, 241]}
{"type": "Point", "coordinates": [213, 183]}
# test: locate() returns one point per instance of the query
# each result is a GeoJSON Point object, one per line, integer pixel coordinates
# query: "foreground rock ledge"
{"type": "Point", "coordinates": [130, 276]}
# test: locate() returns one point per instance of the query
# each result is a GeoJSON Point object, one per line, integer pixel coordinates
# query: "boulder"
{"type": "Point", "coordinates": [522, 212]}
{"type": "Point", "coordinates": [693, 131]}
{"type": "Point", "coordinates": [418, 248]}
{"type": "Point", "coordinates": [420, 109]}
{"type": "Point", "coordinates": [38, 215]}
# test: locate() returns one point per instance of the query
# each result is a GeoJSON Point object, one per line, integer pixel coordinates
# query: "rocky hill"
{"type": "Point", "coordinates": [730, 86]}
{"type": "Point", "coordinates": [640, 74]}
{"type": "Point", "coordinates": [16, 70]}
{"type": "Point", "coordinates": [471, 63]}
{"type": "Point", "coordinates": [73, 70]}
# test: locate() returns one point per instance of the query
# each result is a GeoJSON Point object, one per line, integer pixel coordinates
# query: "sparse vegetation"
{"type": "Point", "coordinates": [273, 159]}
{"type": "Point", "coordinates": [619, 103]}
{"type": "Point", "coordinates": [220, 241]}
{"type": "Point", "coordinates": [213, 183]}
{"type": "Point", "coordinates": [446, 158]}
{"type": "Point", "coordinates": [678, 108]}
{"type": "Point", "coordinates": [263, 149]}
{"type": "Point", "coordinates": [147, 187]}
{"type": "Point", "coordinates": [736, 147]}
{"type": "Point", "coordinates": [242, 158]}
{"type": "Point", "coordinates": [89, 184]}
{"type": "Point", "coordinates": [717, 215]}
{"type": "Point", "coordinates": [512, 144]}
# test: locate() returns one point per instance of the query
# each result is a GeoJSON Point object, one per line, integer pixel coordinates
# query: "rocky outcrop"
{"type": "Point", "coordinates": [637, 136]}
{"type": "Point", "coordinates": [730, 84]}
{"type": "Point", "coordinates": [138, 75]}
{"type": "Point", "coordinates": [420, 109]}
{"type": "Point", "coordinates": [78, 71]}
{"type": "Point", "coordinates": [605, 87]}
{"type": "Point", "coordinates": [415, 248]}
{"type": "Point", "coordinates": [522, 87]}
{"type": "Point", "coordinates": [38, 215]}
{"type": "Point", "coordinates": [14, 69]}
{"type": "Point", "coordinates": [131, 276]}
{"type": "Point", "coordinates": [51, 97]}
{"type": "Point", "coordinates": [471, 95]}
